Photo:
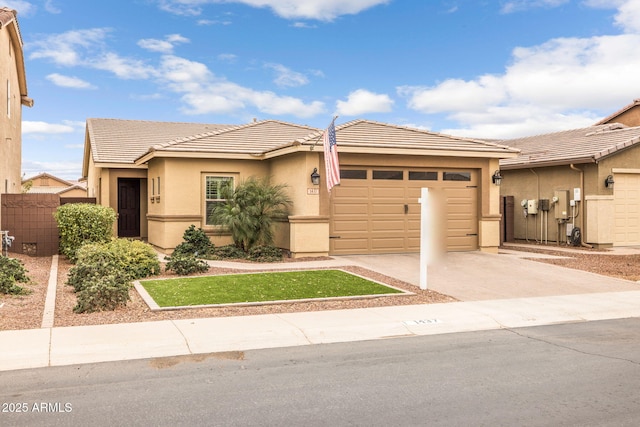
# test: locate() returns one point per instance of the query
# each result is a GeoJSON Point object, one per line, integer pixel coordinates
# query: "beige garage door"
{"type": "Point", "coordinates": [376, 210]}
{"type": "Point", "coordinates": [627, 209]}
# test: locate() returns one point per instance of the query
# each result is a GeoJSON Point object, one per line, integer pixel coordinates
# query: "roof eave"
{"type": "Point", "coordinates": [547, 163]}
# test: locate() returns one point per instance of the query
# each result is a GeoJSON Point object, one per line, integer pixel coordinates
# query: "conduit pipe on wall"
{"type": "Point", "coordinates": [537, 201]}
{"type": "Point", "coordinates": [581, 207]}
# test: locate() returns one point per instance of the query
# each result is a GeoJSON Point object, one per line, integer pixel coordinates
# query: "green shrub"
{"type": "Point", "coordinates": [265, 254]}
{"type": "Point", "coordinates": [12, 271]}
{"type": "Point", "coordinates": [79, 223]}
{"type": "Point", "coordinates": [195, 242]}
{"type": "Point", "coordinates": [136, 258]}
{"type": "Point", "coordinates": [94, 262]}
{"type": "Point", "coordinates": [184, 265]}
{"type": "Point", "coordinates": [228, 252]}
{"type": "Point", "coordinates": [103, 293]}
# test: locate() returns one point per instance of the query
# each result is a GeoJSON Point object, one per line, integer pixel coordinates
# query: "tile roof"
{"type": "Point", "coordinates": [131, 141]}
{"type": "Point", "coordinates": [586, 145]}
{"type": "Point", "coordinates": [254, 138]}
{"type": "Point", "coordinates": [123, 141]}
{"type": "Point", "coordinates": [372, 134]}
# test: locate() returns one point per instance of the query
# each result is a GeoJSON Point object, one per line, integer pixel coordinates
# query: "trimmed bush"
{"type": "Point", "coordinates": [79, 223]}
{"type": "Point", "coordinates": [103, 293]}
{"type": "Point", "coordinates": [195, 242]}
{"type": "Point", "coordinates": [183, 265]}
{"type": "Point", "coordinates": [265, 254]}
{"type": "Point", "coordinates": [228, 252]}
{"type": "Point", "coordinates": [103, 272]}
{"type": "Point", "coordinates": [94, 262]}
{"type": "Point", "coordinates": [136, 258]}
{"type": "Point", "coordinates": [12, 271]}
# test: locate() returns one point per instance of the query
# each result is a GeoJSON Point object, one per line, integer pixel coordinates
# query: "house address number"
{"type": "Point", "coordinates": [313, 191]}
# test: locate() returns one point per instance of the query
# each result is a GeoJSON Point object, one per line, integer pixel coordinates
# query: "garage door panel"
{"type": "Point", "coordinates": [351, 192]}
{"type": "Point", "coordinates": [388, 225]}
{"type": "Point", "coordinates": [351, 245]}
{"type": "Point", "coordinates": [394, 192]}
{"type": "Point", "coordinates": [390, 209]}
{"type": "Point", "coordinates": [351, 209]}
{"type": "Point", "coordinates": [388, 243]}
{"type": "Point", "coordinates": [350, 226]}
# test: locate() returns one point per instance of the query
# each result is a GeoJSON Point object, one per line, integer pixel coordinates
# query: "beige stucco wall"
{"type": "Point", "coordinates": [181, 200]}
{"type": "Point", "coordinates": [10, 124]}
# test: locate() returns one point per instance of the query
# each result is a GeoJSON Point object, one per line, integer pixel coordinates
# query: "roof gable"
{"type": "Point", "coordinates": [375, 135]}
{"type": "Point", "coordinates": [585, 145]}
{"type": "Point", "coordinates": [621, 116]}
{"type": "Point", "coordinates": [122, 141]}
{"type": "Point", "coordinates": [253, 138]}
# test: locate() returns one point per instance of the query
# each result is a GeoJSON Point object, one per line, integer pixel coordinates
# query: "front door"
{"type": "Point", "coordinates": [128, 207]}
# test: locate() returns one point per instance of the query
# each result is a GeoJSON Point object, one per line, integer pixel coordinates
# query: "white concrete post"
{"type": "Point", "coordinates": [425, 238]}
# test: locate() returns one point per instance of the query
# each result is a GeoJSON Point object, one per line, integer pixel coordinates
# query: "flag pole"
{"type": "Point", "coordinates": [321, 134]}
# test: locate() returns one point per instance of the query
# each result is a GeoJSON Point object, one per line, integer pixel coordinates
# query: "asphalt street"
{"type": "Point", "coordinates": [582, 374]}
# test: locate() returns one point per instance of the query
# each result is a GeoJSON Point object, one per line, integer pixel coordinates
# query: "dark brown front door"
{"type": "Point", "coordinates": [128, 207]}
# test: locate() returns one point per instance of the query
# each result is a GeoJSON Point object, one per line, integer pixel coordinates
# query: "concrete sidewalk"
{"type": "Point", "coordinates": [496, 291]}
{"type": "Point", "coordinates": [90, 344]}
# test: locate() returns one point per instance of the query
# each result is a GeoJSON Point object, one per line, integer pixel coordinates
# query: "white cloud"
{"type": "Point", "coordinates": [51, 8]}
{"type": "Point", "coordinates": [227, 57]}
{"type": "Point", "coordinates": [322, 10]}
{"type": "Point", "coordinates": [162, 46]}
{"type": "Point", "coordinates": [286, 77]}
{"type": "Point", "coordinates": [30, 127]}
{"type": "Point", "coordinates": [362, 101]}
{"type": "Point", "coordinates": [204, 93]}
{"type": "Point", "coordinates": [24, 8]}
{"type": "Point", "coordinates": [523, 5]}
{"type": "Point", "coordinates": [64, 170]}
{"type": "Point", "coordinates": [70, 82]}
{"type": "Point", "coordinates": [69, 48]}
{"type": "Point", "coordinates": [559, 84]}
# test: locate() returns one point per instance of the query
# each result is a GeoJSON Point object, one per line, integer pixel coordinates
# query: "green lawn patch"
{"type": "Point", "coordinates": [261, 287]}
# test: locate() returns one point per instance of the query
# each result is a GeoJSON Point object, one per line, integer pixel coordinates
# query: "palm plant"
{"type": "Point", "coordinates": [250, 210]}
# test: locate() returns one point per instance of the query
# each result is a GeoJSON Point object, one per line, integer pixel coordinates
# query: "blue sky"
{"type": "Point", "coordinates": [486, 69]}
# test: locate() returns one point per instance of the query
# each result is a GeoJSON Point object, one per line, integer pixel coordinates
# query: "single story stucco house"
{"type": "Point", "coordinates": [586, 179]}
{"type": "Point", "coordinates": [161, 176]}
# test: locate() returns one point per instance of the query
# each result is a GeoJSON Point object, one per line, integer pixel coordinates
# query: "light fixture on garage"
{"type": "Point", "coordinates": [315, 177]}
{"type": "Point", "coordinates": [609, 182]}
{"type": "Point", "coordinates": [496, 178]}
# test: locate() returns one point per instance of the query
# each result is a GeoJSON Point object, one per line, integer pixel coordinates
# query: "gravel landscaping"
{"type": "Point", "coordinates": [25, 312]}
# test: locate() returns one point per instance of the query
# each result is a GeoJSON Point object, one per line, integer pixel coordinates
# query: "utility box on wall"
{"type": "Point", "coordinates": [561, 207]}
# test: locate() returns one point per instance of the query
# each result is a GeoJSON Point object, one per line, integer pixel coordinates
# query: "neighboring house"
{"type": "Point", "coordinates": [49, 184]}
{"type": "Point", "coordinates": [13, 91]}
{"type": "Point", "coordinates": [628, 115]}
{"type": "Point", "coordinates": [162, 177]}
{"type": "Point", "coordinates": [587, 178]}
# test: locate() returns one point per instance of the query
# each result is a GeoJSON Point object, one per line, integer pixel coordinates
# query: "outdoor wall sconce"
{"type": "Point", "coordinates": [608, 182]}
{"type": "Point", "coordinates": [496, 178]}
{"type": "Point", "coordinates": [315, 177]}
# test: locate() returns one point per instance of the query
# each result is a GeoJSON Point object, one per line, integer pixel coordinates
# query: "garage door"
{"type": "Point", "coordinates": [376, 210]}
{"type": "Point", "coordinates": [627, 209]}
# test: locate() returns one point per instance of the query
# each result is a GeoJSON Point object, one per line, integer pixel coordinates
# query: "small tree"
{"type": "Point", "coordinates": [249, 211]}
{"type": "Point", "coordinates": [79, 223]}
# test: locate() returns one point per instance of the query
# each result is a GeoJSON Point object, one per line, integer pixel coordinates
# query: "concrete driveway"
{"type": "Point", "coordinates": [476, 276]}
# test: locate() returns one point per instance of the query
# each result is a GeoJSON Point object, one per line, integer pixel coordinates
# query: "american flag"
{"type": "Point", "coordinates": [332, 167]}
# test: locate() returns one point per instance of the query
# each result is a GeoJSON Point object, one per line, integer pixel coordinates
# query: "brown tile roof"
{"type": "Point", "coordinates": [607, 119]}
{"type": "Point", "coordinates": [585, 145]}
{"type": "Point", "coordinates": [123, 141]}
{"type": "Point", "coordinates": [253, 138]}
{"type": "Point", "coordinates": [372, 134]}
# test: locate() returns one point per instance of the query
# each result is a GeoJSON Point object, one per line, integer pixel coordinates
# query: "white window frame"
{"type": "Point", "coordinates": [208, 200]}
